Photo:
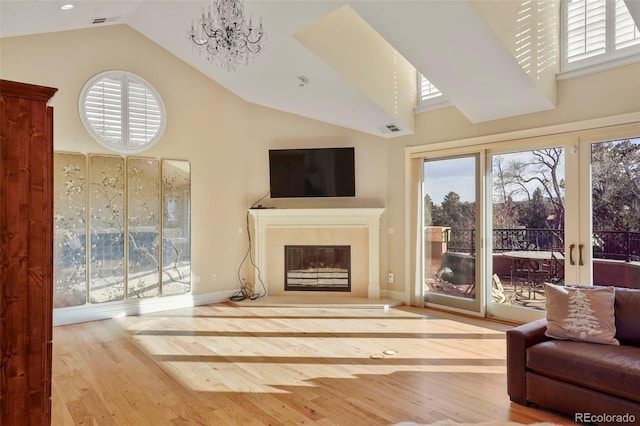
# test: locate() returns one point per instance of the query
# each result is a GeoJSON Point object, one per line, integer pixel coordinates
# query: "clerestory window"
{"type": "Point", "coordinates": [429, 96]}
{"type": "Point", "coordinates": [597, 32]}
{"type": "Point", "coordinates": [427, 89]}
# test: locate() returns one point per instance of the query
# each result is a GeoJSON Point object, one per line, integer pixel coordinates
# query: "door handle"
{"type": "Point", "coordinates": [571, 261]}
{"type": "Point", "coordinates": [580, 247]}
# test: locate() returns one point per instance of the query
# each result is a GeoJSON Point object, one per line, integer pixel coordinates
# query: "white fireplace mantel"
{"type": "Point", "coordinates": [369, 218]}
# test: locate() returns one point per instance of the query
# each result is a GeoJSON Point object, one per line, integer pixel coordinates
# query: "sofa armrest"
{"type": "Point", "coordinates": [518, 340]}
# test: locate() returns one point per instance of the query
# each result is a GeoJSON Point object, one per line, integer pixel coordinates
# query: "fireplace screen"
{"type": "Point", "coordinates": [317, 268]}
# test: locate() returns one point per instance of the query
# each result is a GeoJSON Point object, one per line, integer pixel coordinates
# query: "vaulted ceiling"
{"type": "Point", "coordinates": [491, 59]}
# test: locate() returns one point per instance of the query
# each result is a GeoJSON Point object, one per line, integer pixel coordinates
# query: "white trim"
{"type": "Point", "coordinates": [396, 295]}
{"type": "Point", "coordinates": [432, 104]}
{"type": "Point", "coordinates": [598, 67]}
{"type": "Point", "coordinates": [94, 312]}
{"type": "Point", "coordinates": [616, 120]}
{"type": "Point", "coordinates": [452, 309]}
{"type": "Point", "coordinates": [410, 284]}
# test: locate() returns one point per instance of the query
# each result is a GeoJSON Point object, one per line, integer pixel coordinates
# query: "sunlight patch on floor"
{"type": "Point", "coordinates": [228, 353]}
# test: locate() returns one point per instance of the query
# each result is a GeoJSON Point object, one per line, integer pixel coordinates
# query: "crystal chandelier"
{"type": "Point", "coordinates": [225, 37]}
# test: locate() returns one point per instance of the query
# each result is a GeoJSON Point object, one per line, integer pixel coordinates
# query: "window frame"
{"type": "Point", "coordinates": [123, 146]}
{"type": "Point", "coordinates": [610, 58]}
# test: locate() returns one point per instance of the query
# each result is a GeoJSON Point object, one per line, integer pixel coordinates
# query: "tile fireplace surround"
{"type": "Point", "coordinates": [356, 227]}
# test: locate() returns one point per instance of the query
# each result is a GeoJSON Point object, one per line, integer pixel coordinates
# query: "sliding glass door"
{"type": "Point", "coordinates": [450, 222]}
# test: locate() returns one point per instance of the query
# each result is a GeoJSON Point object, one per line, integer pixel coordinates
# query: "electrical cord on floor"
{"type": "Point", "coordinates": [246, 288]}
{"type": "Point", "coordinates": [245, 292]}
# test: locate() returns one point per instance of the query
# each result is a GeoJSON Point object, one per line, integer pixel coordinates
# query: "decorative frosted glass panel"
{"type": "Point", "coordinates": [139, 242]}
{"type": "Point", "coordinates": [143, 201]}
{"type": "Point", "coordinates": [70, 230]}
{"type": "Point", "coordinates": [106, 267]}
{"type": "Point", "coordinates": [176, 225]}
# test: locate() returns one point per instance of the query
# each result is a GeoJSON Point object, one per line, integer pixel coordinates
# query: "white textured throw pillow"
{"type": "Point", "coordinates": [581, 313]}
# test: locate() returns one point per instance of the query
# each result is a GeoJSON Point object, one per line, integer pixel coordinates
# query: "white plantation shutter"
{"type": "Point", "coordinates": [122, 111]}
{"type": "Point", "coordinates": [627, 33]}
{"type": "Point", "coordinates": [145, 114]}
{"type": "Point", "coordinates": [102, 108]}
{"type": "Point", "coordinates": [598, 30]}
{"type": "Point", "coordinates": [427, 89]}
{"type": "Point", "coordinates": [586, 29]}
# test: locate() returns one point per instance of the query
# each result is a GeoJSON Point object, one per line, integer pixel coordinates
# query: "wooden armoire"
{"type": "Point", "coordinates": [26, 253]}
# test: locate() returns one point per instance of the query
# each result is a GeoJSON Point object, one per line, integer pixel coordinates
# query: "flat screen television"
{"type": "Point", "coordinates": [312, 172]}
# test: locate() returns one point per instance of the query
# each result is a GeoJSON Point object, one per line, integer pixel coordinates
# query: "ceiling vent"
{"type": "Point", "coordinates": [104, 20]}
{"type": "Point", "coordinates": [390, 128]}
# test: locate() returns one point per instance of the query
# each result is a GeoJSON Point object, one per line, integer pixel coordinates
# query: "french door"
{"type": "Point", "coordinates": [607, 250]}
{"type": "Point", "coordinates": [528, 224]}
{"type": "Point", "coordinates": [566, 213]}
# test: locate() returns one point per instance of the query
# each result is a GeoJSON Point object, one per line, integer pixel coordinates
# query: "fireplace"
{"type": "Point", "coordinates": [357, 228]}
{"type": "Point", "coordinates": [317, 268]}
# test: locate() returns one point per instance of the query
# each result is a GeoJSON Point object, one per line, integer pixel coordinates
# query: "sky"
{"type": "Point", "coordinates": [442, 176]}
{"type": "Point", "coordinates": [453, 174]}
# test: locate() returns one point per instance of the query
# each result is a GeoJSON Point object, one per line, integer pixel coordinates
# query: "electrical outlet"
{"type": "Point", "coordinates": [390, 278]}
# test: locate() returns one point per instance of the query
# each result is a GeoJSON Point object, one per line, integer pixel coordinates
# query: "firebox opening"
{"type": "Point", "coordinates": [317, 268]}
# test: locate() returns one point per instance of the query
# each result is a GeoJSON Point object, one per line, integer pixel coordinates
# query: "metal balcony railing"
{"type": "Point", "coordinates": [615, 245]}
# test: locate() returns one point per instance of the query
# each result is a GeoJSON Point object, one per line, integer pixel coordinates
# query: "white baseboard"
{"type": "Point", "coordinates": [396, 295]}
{"type": "Point", "coordinates": [93, 312]}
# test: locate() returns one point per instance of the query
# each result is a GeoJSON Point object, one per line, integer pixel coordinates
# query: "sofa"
{"type": "Point", "coordinates": [593, 383]}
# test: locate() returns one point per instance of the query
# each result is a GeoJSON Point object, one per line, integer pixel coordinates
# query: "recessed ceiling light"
{"type": "Point", "coordinates": [67, 6]}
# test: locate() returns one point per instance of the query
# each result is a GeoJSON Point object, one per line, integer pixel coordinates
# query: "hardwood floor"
{"type": "Point", "coordinates": [230, 365]}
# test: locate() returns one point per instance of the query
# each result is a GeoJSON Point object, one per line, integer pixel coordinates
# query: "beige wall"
{"type": "Point", "coordinates": [227, 140]}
